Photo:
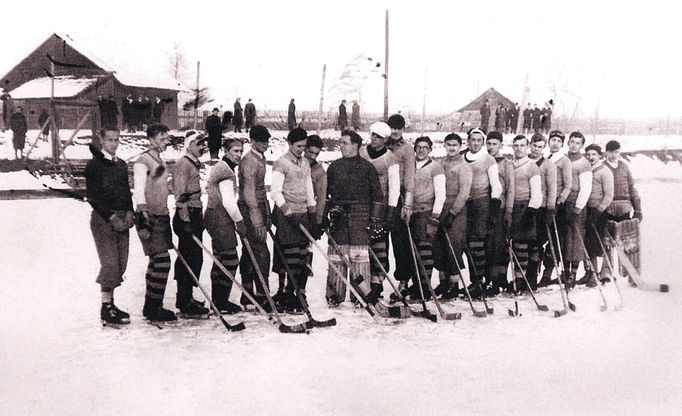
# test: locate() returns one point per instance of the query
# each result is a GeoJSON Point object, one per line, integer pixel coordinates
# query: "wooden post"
{"type": "Point", "coordinates": [319, 112]}
{"type": "Point", "coordinates": [54, 134]}
{"type": "Point", "coordinates": [386, 71]}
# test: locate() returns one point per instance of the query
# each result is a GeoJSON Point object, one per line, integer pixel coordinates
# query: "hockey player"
{"type": "Point", "coordinates": [313, 148]}
{"type": "Point", "coordinates": [453, 217]}
{"type": "Point", "coordinates": [564, 180]}
{"type": "Point", "coordinates": [429, 197]}
{"type": "Point", "coordinates": [483, 205]}
{"type": "Point", "coordinates": [388, 169]}
{"type": "Point", "coordinates": [188, 221]}
{"type": "Point", "coordinates": [404, 154]}
{"type": "Point", "coordinates": [255, 209]}
{"type": "Point", "coordinates": [527, 200]}
{"type": "Point", "coordinates": [294, 198]}
{"type": "Point", "coordinates": [497, 252]}
{"type": "Point", "coordinates": [625, 203]}
{"type": "Point", "coordinates": [600, 199]}
{"type": "Point", "coordinates": [152, 220]}
{"type": "Point", "coordinates": [548, 180]}
{"type": "Point", "coordinates": [222, 219]}
{"type": "Point", "coordinates": [356, 211]}
{"type": "Point", "coordinates": [581, 189]}
{"type": "Point", "coordinates": [108, 192]}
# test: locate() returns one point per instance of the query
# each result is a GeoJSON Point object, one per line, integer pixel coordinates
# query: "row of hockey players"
{"type": "Point", "coordinates": [483, 202]}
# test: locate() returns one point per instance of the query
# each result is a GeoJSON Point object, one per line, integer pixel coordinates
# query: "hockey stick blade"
{"type": "Point", "coordinates": [234, 328]}
{"type": "Point", "coordinates": [293, 329]}
{"type": "Point", "coordinates": [321, 324]}
{"type": "Point", "coordinates": [560, 313]}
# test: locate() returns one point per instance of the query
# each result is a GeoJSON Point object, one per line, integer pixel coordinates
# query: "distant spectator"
{"type": "Point", "coordinates": [227, 120]}
{"type": "Point", "coordinates": [485, 115]}
{"type": "Point", "coordinates": [158, 107]}
{"type": "Point", "coordinates": [7, 108]}
{"type": "Point", "coordinates": [249, 114]}
{"type": "Point", "coordinates": [127, 113]}
{"type": "Point", "coordinates": [514, 118]}
{"type": "Point", "coordinates": [500, 118]}
{"type": "Point", "coordinates": [42, 118]}
{"type": "Point", "coordinates": [343, 116]}
{"type": "Point", "coordinates": [291, 115]}
{"type": "Point", "coordinates": [19, 128]}
{"type": "Point", "coordinates": [355, 116]}
{"type": "Point", "coordinates": [214, 129]}
{"type": "Point", "coordinates": [547, 116]}
{"type": "Point", "coordinates": [537, 119]}
{"type": "Point", "coordinates": [527, 118]}
{"type": "Point", "coordinates": [238, 118]}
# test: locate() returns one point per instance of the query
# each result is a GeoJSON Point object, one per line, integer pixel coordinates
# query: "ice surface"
{"type": "Point", "coordinates": [56, 359]}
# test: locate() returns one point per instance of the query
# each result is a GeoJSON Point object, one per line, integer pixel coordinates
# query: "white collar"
{"type": "Point", "coordinates": [472, 157]}
{"type": "Point", "coordinates": [556, 157]}
{"type": "Point", "coordinates": [613, 164]}
{"type": "Point", "coordinates": [421, 163]}
{"type": "Point", "coordinates": [108, 156]}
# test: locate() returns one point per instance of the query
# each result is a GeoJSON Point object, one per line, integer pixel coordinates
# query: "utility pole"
{"type": "Point", "coordinates": [386, 72]}
{"type": "Point", "coordinates": [524, 100]}
{"type": "Point", "coordinates": [196, 98]}
{"type": "Point", "coordinates": [319, 111]}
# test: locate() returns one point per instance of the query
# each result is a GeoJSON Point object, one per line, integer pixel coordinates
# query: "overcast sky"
{"type": "Point", "coordinates": [622, 58]}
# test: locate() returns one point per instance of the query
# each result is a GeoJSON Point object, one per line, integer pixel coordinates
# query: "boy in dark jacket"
{"type": "Point", "coordinates": [108, 191]}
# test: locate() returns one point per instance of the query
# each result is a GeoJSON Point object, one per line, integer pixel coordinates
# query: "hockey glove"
{"type": "Point", "coordinates": [389, 218]}
{"type": "Point", "coordinates": [337, 217]}
{"type": "Point", "coordinates": [118, 223]}
{"type": "Point", "coordinates": [573, 218]}
{"type": "Point", "coordinates": [316, 231]}
{"type": "Point", "coordinates": [528, 219]}
{"type": "Point", "coordinates": [449, 220]}
{"type": "Point", "coordinates": [241, 228]}
{"type": "Point", "coordinates": [129, 219]}
{"type": "Point", "coordinates": [432, 228]}
{"type": "Point", "coordinates": [376, 230]}
{"type": "Point", "coordinates": [144, 228]}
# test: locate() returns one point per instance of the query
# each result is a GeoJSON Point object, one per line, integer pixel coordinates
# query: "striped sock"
{"type": "Point", "coordinates": [157, 277]}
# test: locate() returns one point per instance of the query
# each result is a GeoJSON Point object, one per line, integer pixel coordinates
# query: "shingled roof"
{"type": "Point", "coordinates": [493, 97]}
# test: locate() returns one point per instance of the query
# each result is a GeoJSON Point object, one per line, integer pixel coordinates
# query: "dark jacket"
{"type": "Point", "coordinates": [343, 116]}
{"type": "Point", "coordinates": [18, 124]}
{"type": "Point", "coordinates": [250, 111]}
{"type": "Point", "coordinates": [214, 127]}
{"type": "Point", "coordinates": [238, 117]}
{"type": "Point", "coordinates": [106, 184]}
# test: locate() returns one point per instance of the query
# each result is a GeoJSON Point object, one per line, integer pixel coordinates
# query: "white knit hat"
{"type": "Point", "coordinates": [192, 136]}
{"type": "Point", "coordinates": [380, 129]}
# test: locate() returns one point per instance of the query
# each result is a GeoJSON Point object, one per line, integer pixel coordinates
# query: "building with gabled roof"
{"type": "Point", "coordinates": [84, 70]}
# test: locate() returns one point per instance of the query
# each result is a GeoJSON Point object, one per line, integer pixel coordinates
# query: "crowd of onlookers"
{"type": "Point", "coordinates": [506, 120]}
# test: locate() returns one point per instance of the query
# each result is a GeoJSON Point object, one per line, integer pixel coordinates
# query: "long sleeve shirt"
{"type": "Point", "coordinates": [548, 177]}
{"type": "Point", "coordinates": [564, 177]}
{"type": "Point", "coordinates": [429, 188]}
{"type": "Point", "coordinates": [458, 178]}
{"type": "Point", "coordinates": [527, 182]}
{"type": "Point", "coordinates": [602, 187]}
{"type": "Point", "coordinates": [106, 184]}
{"type": "Point", "coordinates": [150, 179]}
{"type": "Point", "coordinates": [581, 182]}
{"type": "Point", "coordinates": [292, 186]}
{"type": "Point", "coordinates": [388, 168]}
{"type": "Point", "coordinates": [404, 154]}
{"type": "Point", "coordinates": [186, 183]}
{"type": "Point", "coordinates": [485, 174]}
{"type": "Point", "coordinates": [221, 188]}
{"type": "Point", "coordinates": [252, 185]}
{"type": "Point", "coordinates": [506, 171]}
{"type": "Point", "coordinates": [319, 177]}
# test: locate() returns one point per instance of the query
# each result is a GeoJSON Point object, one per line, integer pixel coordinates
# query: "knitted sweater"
{"type": "Point", "coordinates": [106, 184]}
{"type": "Point", "coordinates": [458, 178]}
{"type": "Point", "coordinates": [602, 187]}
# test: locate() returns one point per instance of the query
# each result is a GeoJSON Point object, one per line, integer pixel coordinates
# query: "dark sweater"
{"type": "Point", "coordinates": [106, 184]}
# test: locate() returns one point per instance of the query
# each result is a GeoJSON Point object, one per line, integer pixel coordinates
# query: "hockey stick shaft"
{"type": "Point", "coordinates": [239, 326]}
{"type": "Point", "coordinates": [550, 239]}
{"type": "Point", "coordinates": [560, 266]}
{"type": "Point", "coordinates": [252, 256]}
{"type": "Point", "coordinates": [588, 262]}
{"type": "Point", "coordinates": [607, 260]}
{"type": "Point", "coordinates": [523, 274]}
{"type": "Point", "coordinates": [304, 304]}
{"type": "Point", "coordinates": [459, 272]}
{"type": "Point", "coordinates": [473, 268]}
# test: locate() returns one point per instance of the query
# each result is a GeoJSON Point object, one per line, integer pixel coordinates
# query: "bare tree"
{"type": "Point", "coordinates": [177, 63]}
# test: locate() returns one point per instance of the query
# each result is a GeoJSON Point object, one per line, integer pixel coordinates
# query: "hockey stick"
{"type": "Point", "coordinates": [252, 256]}
{"type": "Point", "coordinates": [428, 315]}
{"type": "Point", "coordinates": [632, 271]}
{"type": "Point", "coordinates": [367, 307]}
{"type": "Point", "coordinates": [477, 313]}
{"type": "Point", "coordinates": [312, 322]}
{"type": "Point", "coordinates": [393, 311]}
{"type": "Point", "coordinates": [560, 266]}
{"type": "Point", "coordinates": [236, 327]}
{"type": "Point", "coordinates": [514, 312]}
{"type": "Point", "coordinates": [287, 329]}
{"type": "Point", "coordinates": [427, 279]}
{"type": "Point", "coordinates": [515, 259]}
{"type": "Point", "coordinates": [588, 262]}
{"type": "Point", "coordinates": [619, 306]}
{"type": "Point", "coordinates": [418, 282]}
{"type": "Point", "coordinates": [550, 239]}
{"type": "Point", "coordinates": [489, 310]}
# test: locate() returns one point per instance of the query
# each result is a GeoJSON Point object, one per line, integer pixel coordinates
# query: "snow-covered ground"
{"type": "Point", "coordinates": [55, 358]}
